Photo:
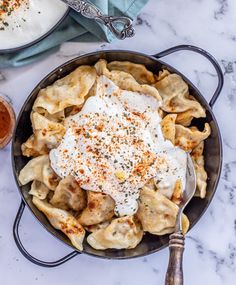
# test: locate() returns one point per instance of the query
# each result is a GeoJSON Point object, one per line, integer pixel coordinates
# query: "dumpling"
{"type": "Point", "coordinates": [189, 138]}
{"type": "Point", "coordinates": [62, 220]}
{"type": "Point", "coordinates": [201, 175]}
{"type": "Point", "coordinates": [100, 208]}
{"type": "Point", "coordinates": [47, 135]}
{"type": "Point", "coordinates": [68, 195]}
{"type": "Point", "coordinates": [157, 213]}
{"type": "Point", "coordinates": [29, 148]}
{"type": "Point", "coordinates": [176, 99]}
{"type": "Point", "coordinates": [46, 131]}
{"type": "Point", "coordinates": [185, 118]}
{"type": "Point", "coordinates": [138, 71]}
{"type": "Point", "coordinates": [94, 228]}
{"type": "Point", "coordinates": [178, 192]}
{"type": "Point", "coordinates": [124, 232]}
{"type": "Point", "coordinates": [76, 86]}
{"type": "Point", "coordinates": [39, 169]}
{"type": "Point", "coordinates": [58, 117]}
{"type": "Point", "coordinates": [168, 127]}
{"type": "Point", "coordinates": [39, 189]}
{"type": "Point", "coordinates": [162, 74]}
{"type": "Point", "coordinates": [125, 80]}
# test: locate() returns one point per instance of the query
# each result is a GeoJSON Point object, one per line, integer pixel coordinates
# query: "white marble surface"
{"type": "Point", "coordinates": [210, 255]}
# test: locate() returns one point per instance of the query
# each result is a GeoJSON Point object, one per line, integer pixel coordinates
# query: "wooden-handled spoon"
{"type": "Point", "coordinates": [174, 274]}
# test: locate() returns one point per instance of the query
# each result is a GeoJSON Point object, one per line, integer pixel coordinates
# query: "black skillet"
{"type": "Point", "coordinates": [212, 153]}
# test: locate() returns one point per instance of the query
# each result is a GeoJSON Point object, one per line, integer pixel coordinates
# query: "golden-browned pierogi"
{"type": "Point", "coordinates": [109, 150]}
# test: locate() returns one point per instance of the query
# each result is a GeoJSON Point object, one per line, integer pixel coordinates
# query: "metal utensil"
{"type": "Point", "coordinates": [90, 11]}
{"type": "Point", "coordinates": [174, 274]}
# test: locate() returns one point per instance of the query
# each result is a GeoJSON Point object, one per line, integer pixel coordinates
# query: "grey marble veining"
{"type": "Point", "coordinates": [2, 77]}
{"type": "Point", "coordinates": [210, 254]}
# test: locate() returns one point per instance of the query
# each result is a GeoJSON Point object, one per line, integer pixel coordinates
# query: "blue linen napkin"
{"type": "Point", "coordinates": [75, 27]}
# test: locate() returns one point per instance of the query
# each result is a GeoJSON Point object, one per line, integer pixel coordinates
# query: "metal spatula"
{"type": "Point", "coordinates": [90, 11]}
{"type": "Point", "coordinates": [174, 274]}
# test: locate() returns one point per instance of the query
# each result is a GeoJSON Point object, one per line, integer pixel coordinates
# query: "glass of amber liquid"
{"type": "Point", "coordinates": [7, 122]}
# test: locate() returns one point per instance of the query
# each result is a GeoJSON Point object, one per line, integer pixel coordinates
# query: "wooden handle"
{"type": "Point", "coordinates": [174, 274]}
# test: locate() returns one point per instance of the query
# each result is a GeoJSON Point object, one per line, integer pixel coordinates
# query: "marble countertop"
{"type": "Point", "coordinates": [210, 255]}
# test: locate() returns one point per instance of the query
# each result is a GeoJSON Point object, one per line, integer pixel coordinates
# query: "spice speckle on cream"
{"type": "Point", "coordinates": [115, 145]}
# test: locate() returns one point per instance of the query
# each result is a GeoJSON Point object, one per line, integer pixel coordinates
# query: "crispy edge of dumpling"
{"type": "Point", "coordinates": [178, 192]}
{"type": "Point", "coordinates": [139, 71]}
{"type": "Point", "coordinates": [189, 138]}
{"type": "Point", "coordinates": [63, 221]}
{"type": "Point", "coordinates": [170, 87]}
{"type": "Point", "coordinates": [46, 134]}
{"type": "Point", "coordinates": [68, 195]}
{"type": "Point", "coordinates": [185, 118]}
{"type": "Point", "coordinates": [28, 148]}
{"type": "Point", "coordinates": [100, 208]}
{"type": "Point", "coordinates": [125, 80]}
{"type": "Point", "coordinates": [76, 84]}
{"type": "Point", "coordinates": [168, 127]}
{"type": "Point", "coordinates": [121, 233]}
{"type": "Point", "coordinates": [201, 174]}
{"type": "Point", "coordinates": [39, 169]}
{"type": "Point", "coordinates": [94, 228]}
{"type": "Point", "coordinates": [151, 204]}
{"type": "Point", "coordinates": [162, 74]}
{"type": "Point", "coordinates": [58, 117]}
{"type": "Point", "coordinates": [176, 99]}
{"type": "Point", "coordinates": [39, 189]}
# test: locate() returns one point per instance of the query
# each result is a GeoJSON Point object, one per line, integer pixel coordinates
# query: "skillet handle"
{"type": "Point", "coordinates": [205, 54]}
{"type": "Point", "coordinates": [26, 253]}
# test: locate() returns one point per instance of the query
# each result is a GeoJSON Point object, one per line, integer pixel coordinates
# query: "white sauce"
{"type": "Point", "coordinates": [115, 145]}
{"type": "Point", "coordinates": [31, 20]}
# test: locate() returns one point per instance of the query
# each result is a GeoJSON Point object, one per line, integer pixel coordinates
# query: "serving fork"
{"type": "Point", "coordinates": [174, 274]}
{"type": "Point", "coordinates": [90, 11]}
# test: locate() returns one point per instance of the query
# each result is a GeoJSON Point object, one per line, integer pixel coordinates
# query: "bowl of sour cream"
{"type": "Point", "coordinates": [25, 22]}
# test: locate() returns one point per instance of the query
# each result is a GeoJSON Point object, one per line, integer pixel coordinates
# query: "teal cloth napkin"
{"type": "Point", "coordinates": [77, 28]}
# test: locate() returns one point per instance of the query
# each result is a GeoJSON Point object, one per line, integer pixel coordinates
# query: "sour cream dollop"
{"type": "Point", "coordinates": [115, 145]}
{"type": "Point", "coordinates": [23, 21]}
